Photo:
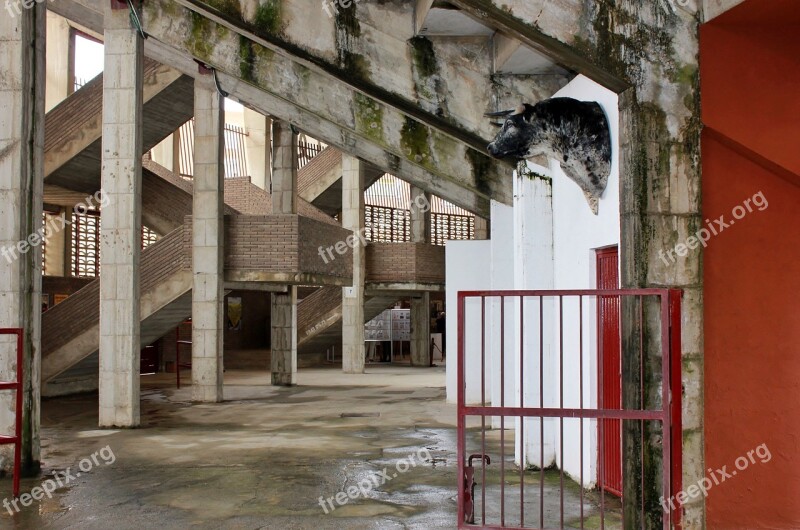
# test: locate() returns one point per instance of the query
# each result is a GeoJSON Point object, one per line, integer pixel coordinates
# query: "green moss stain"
{"type": "Point", "coordinates": [200, 40]}
{"type": "Point", "coordinates": [354, 64]}
{"type": "Point", "coordinates": [423, 56]}
{"type": "Point", "coordinates": [481, 170]}
{"type": "Point", "coordinates": [231, 8]}
{"type": "Point", "coordinates": [414, 138]}
{"type": "Point", "coordinates": [369, 117]}
{"type": "Point", "coordinates": [268, 17]}
{"type": "Point", "coordinates": [348, 32]}
{"type": "Point", "coordinates": [246, 59]}
{"type": "Point", "coordinates": [347, 20]}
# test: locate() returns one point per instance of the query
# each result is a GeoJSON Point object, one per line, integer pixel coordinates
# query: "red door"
{"type": "Point", "coordinates": [610, 358]}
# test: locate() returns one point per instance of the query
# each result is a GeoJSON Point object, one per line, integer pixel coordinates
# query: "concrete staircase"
{"type": "Point", "coordinates": [319, 318]}
{"type": "Point", "coordinates": [70, 330]}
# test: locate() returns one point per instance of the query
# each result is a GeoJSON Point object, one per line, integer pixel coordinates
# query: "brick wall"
{"type": "Point", "coordinates": [405, 262]}
{"type": "Point", "coordinates": [283, 243]}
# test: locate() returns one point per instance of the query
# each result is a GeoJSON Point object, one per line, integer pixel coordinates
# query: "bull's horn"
{"type": "Point", "coordinates": [500, 114]}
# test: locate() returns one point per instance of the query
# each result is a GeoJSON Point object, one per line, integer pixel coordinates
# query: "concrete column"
{"type": "Point", "coordinates": [284, 305]}
{"type": "Point", "coordinates": [420, 305]}
{"type": "Point", "coordinates": [207, 242]}
{"type": "Point", "coordinates": [353, 297]}
{"type": "Point", "coordinates": [22, 41]}
{"type": "Point", "coordinates": [121, 226]}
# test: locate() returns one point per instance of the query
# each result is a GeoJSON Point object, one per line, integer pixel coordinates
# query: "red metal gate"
{"type": "Point", "coordinates": [520, 478]}
{"type": "Point", "coordinates": [611, 398]}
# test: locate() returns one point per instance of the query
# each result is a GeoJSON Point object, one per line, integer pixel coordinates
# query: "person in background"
{"type": "Point", "coordinates": [441, 327]}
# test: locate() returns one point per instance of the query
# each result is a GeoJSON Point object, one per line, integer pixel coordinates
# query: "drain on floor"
{"type": "Point", "coordinates": [360, 415]}
{"type": "Point", "coordinates": [399, 392]}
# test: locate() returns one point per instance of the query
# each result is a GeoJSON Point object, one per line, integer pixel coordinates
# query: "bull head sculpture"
{"type": "Point", "coordinates": [575, 133]}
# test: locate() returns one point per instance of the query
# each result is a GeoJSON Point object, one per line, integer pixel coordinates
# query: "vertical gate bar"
{"type": "Point", "coordinates": [18, 404]}
{"type": "Point", "coordinates": [483, 416]}
{"type": "Point", "coordinates": [461, 420]}
{"type": "Point", "coordinates": [561, 396]}
{"type": "Point", "coordinates": [580, 389]}
{"type": "Point", "coordinates": [522, 405]}
{"type": "Point", "coordinates": [666, 405]}
{"type": "Point", "coordinates": [502, 406]}
{"type": "Point", "coordinates": [600, 404]}
{"type": "Point", "coordinates": [676, 356]}
{"type": "Point", "coordinates": [541, 405]}
{"type": "Point", "coordinates": [641, 390]}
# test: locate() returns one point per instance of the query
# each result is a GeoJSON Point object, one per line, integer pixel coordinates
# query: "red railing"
{"type": "Point", "coordinates": [16, 439]}
{"type": "Point", "coordinates": [555, 369]}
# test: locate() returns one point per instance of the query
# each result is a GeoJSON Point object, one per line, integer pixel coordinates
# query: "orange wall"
{"type": "Point", "coordinates": [751, 93]}
{"type": "Point", "coordinates": [752, 343]}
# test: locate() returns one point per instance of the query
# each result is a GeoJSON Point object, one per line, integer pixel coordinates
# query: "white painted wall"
{"type": "Point", "coordinates": [578, 234]}
{"type": "Point", "coordinates": [468, 269]}
{"type": "Point", "coordinates": [502, 278]}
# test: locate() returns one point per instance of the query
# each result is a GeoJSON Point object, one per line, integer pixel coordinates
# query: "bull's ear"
{"type": "Point", "coordinates": [500, 114]}
{"type": "Point", "coordinates": [496, 124]}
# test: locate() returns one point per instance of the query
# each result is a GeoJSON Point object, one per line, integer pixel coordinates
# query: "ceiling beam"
{"type": "Point", "coordinates": [489, 14]}
{"type": "Point", "coordinates": [328, 131]}
{"type": "Point", "coordinates": [421, 10]}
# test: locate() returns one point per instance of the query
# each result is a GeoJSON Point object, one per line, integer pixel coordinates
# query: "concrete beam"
{"type": "Point", "coordinates": [421, 10]}
{"type": "Point", "coordinates": [406, 139]}
{"type": "Point", "coordinates": [504, 48]}
{"type": "Point", "coordinates": [494, 16]}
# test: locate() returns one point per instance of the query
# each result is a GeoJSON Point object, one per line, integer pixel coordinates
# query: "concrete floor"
{"type": "Point", "coordinates": [265, 457]}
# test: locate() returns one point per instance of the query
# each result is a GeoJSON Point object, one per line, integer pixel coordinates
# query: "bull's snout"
{"type": "Point", "coordinates": [493, 150]}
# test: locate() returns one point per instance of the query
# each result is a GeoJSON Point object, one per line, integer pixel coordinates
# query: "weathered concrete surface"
{"type": "Point", "coordinates": [403, 138]}
{"type": "Point", "coordinates": [121, 227]}
{"type": "Point", "coordinates": [265, 457]}
{"type": "Point", "coordinates": [353, 206]}
{"type": "Point", "coordinates": [208, 244]}
{"type": "Point", "coordinates": [283, 315]}
{"type": "Point", "coordinates": [21, 164]}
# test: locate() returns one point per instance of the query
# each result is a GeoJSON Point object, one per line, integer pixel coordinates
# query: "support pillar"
{"type": "Point", "coordinates": [22, 40]}
{"type": "Point", "coordinates": [284, 305]}
{"type": "Point", "coordinates": [353, 351]}
{"type": "Point", "coordinates": [121, 226]}
{"type": "Point", "coordinates": [207, 242]}
{"type": "Point", "coordinates": [420, 305]}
